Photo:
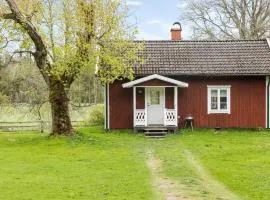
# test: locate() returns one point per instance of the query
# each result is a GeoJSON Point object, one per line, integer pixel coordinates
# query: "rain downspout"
{"type": "Point", "coordinates": [267, 99]}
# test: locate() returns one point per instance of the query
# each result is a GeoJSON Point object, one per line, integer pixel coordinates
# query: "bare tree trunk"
{"type": "Point", "coordinates": [61, 123]}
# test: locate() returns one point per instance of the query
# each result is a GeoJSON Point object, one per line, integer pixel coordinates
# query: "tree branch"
{"type": "Point", "coordinates": [8, 16]}
{"type": "Point", "coordinates": [24, 51]}
{"type": "Point", "coordinates": [15, 53]}
{"type": "Point", "coordinates": [7, 41]}
{"type": "Point", "coordinates": [41, 51]}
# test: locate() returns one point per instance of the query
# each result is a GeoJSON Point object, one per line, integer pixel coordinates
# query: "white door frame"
{"type": "Point", "coordinates": [162, 100]}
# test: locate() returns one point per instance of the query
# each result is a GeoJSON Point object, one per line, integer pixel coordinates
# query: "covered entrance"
{"type": "Point", "coordinates": [155, 101]}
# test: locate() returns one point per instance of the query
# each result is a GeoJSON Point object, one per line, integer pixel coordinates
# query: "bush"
{"type": "Point", "coordinates": [4, 99]}
{"type": "Point", "coordinates": [97, 115]}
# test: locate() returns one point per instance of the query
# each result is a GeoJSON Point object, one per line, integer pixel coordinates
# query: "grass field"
{"type": "Point", "coordinates": [119, 165]}
{"type": "Point", "coordinates": [238, 159]}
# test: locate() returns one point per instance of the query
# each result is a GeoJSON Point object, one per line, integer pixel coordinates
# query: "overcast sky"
{"type": "Point", "coordinates": [155, 18]}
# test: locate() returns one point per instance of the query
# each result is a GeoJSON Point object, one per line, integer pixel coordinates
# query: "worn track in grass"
{"type": "Point", "coordinates": [169, 189]}
{"type": "Point", "coordinates": [166, 188]}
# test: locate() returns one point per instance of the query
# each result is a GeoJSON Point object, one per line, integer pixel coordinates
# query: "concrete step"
{"type": "Point", "coordinates": [155, 136]}
{"type": "Point", "coordinates": [155, 132]}
{"type": "Point", "coordinates": [160, 133]}
{"type": "Point", "coordinates": [155, 129]}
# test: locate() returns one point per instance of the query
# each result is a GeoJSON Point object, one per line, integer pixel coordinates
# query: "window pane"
{"type": "Point", "coordinates": [154, 97]}
{"type": "Point", "coordinates": [213, 106]}
{"type": "Point", "coordinates": [223, 99]}
{"type": "Point", "coordinates": [214, 93]}
{"type": "Point", "coordinates": [223, 106]}
{"type": "Point", "coordinates": [223, 93]}
{"type": "Point", "coordinates": [214, 99]}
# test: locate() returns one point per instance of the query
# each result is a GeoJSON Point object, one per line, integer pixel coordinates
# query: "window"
{"type": "Point", "coordinates": [155, 97]}
{"type": "Point", "coordinates": [219, 99]}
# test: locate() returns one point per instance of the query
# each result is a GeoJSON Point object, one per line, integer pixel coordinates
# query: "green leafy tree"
{"type": "Point", "coordinates": [67, 37]}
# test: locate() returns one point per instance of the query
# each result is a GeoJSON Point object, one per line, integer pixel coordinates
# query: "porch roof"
{"type": "Point", "coordinates": [155, 76]}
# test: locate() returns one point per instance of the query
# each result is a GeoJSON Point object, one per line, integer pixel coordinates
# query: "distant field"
{"type": "Point", "coordinates": [198, 165]}
{"type": "Point", "coordinates": [13, 113]}
{"type": "Point", "coordinates": [24, 117]}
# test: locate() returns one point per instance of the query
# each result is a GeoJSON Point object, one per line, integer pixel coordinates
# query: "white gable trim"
{"type": "Point", "coordinates": [268, 41]}
{"type": "Point", "coordinates": [155, 76]}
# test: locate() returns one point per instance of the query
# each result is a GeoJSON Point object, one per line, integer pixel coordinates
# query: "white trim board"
{"type": "Point", "coordinates": [267, 103]}
{"type": "Point", "coordinates": [268, 41]}
{"type": "Point", "coordinates": [105, 108]}
{"type": "Point", "coordinates": [155, 76]}
{"type": "Point", "coordinates": [108, 108]}
{"type": "Point", "coordinates": [146, 86]}
{"type": "Point", "coordinates": [219, 86]}
{"type": "Point", "coordinates": [176, 105]}
{"type": "Point", "coordinates": [134, 105]}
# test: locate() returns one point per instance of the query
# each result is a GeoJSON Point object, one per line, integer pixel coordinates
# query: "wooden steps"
{"type": "Point", "coordinates": [155, 132]}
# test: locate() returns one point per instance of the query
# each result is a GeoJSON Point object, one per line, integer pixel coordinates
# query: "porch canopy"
{"type": "Point", "coordinates": [155, 101]}
{"type": "Point", "coordinates": [152, 77]}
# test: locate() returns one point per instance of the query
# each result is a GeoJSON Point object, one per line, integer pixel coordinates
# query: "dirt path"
{"type": "Point", "coordinates": [169, 189]}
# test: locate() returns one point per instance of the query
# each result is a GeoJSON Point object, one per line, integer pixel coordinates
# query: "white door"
{"type": "Point", "coordinates": [155, 100]}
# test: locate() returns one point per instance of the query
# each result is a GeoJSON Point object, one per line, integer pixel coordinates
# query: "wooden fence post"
{"type": "Point", "coordinates": [42, 126]}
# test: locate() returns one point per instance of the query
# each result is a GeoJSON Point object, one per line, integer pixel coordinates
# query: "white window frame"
{"type": "Point", "coordinates": [218, 88]}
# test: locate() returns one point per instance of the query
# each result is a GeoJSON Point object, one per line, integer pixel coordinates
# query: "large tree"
{"type": "Point", "coordinates": [66, 37]}
{"type": "Point", "coordinates": [229, 19]}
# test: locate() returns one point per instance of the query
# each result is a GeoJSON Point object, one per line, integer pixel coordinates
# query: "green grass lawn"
{"type": "Point", "coordinates": [90, 166]}
{"type": "Point", "coordinates": [98, 165]}
{"type": "Point", "coordinates": [238, 159]}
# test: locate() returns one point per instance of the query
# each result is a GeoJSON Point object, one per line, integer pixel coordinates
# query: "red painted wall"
{"type": "Point", "coordinates": [247, 102]}
{"type": "Point", "coordinates": [121, 106]}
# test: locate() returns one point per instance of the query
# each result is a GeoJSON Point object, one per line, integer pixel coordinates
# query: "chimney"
{"type": "Point", "coordinates": [176, 31]}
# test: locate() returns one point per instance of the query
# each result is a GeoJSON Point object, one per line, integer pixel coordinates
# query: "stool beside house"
{"type": "Point", "coordinates": [189, 121]}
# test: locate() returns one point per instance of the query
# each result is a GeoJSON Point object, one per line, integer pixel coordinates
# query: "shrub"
{"type": "Point", "coordinates": [4, 98]}
{"type": "Point", "coordinates": [97, 115]}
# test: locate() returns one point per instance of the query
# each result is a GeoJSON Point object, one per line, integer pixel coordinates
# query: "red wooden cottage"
{"type": "Point", "coordinates": [218, 83]}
